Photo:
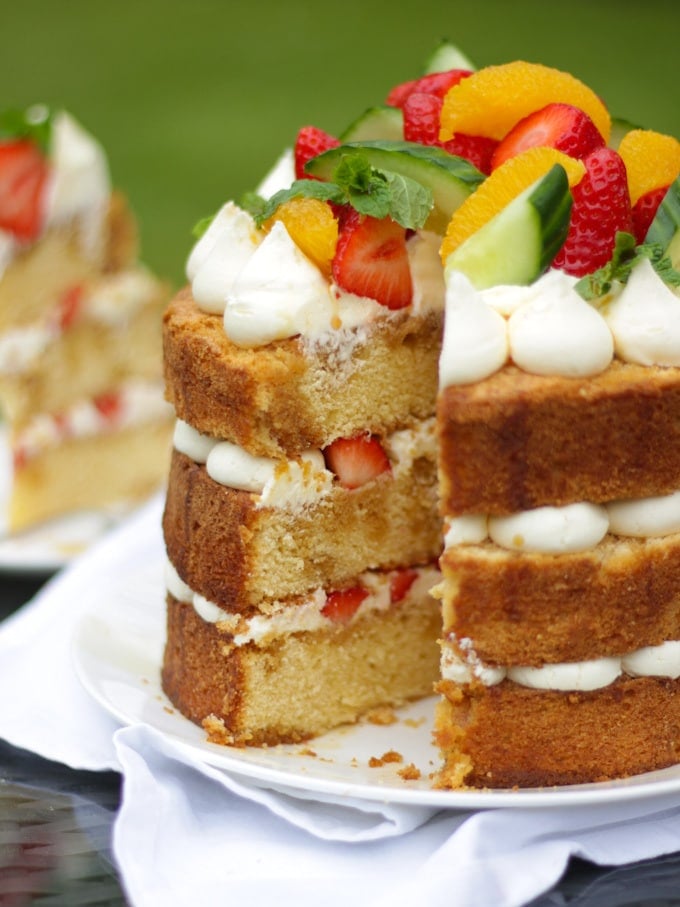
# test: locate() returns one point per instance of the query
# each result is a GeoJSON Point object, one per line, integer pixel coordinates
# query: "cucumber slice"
{"type": "Point", "coordinates": [518, 244]}
{"type": "Point", "coordinates": [376, 123]}
{"type": "Point", "coordinates": [665, 228]}
{"type": "Point", "coordinates": [451, 179]}
{"type": "Point", "coordinates": [447, 56]}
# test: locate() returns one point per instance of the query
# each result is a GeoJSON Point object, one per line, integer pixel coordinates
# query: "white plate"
{"type": "Point", "coordinates": [117, 650]}
{"type": "Point", "coordinates": [51, 545]}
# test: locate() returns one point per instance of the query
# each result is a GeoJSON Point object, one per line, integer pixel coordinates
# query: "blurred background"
{"type": "Point", "coordinates": [195, 99]}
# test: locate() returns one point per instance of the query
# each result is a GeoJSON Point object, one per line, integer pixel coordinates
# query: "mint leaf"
{"type": "Point", "coordinates": [618, 269]}
{"type": "Point", "coordinates": [201, 226]}
{"type": "Point", "coordinates": [326, 192]}
{"type": "Point", "coordinates": [411, 202]}
{"type": "Point", "coordinates": [34, 124]}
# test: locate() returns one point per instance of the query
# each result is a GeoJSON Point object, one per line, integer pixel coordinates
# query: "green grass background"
{"type": "Point", "coordinates": [194, 100]}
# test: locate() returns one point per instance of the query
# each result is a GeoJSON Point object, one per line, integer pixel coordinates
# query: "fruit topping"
{"type": "Point", "coordinates": [652, 160]}
{"type": "Point", "coordinates": [371, 260]}
{"type": "Point", "coordinates": [342, 604]}
{"type": "Point", "coordinates": [400, 583]}
{"type": "Point", "coordinates": [310, 141]}
{"type": "Point", "coordinates": [644, 211]}
{"type": "Point", "coordinates": [312, 226]}
{"type": "Point", "coordinates": [499, 189]}
{"type": "Point", "coordinates": [434, 83]}
{"type": "Point", "coordinates": [109, 405]}
{"type": "Point", "coordinates": [601, 209]}
{"type": "Point", "coordinates": [492, 100]}
{"type": "Point", "coordinates": [559, 126]}
{"type": "Point", "coordinates": [23, 175]}
{"type": "Point", "coordinates": [69, 306]}
{"type": "Point", "coordinates": [356, 461]}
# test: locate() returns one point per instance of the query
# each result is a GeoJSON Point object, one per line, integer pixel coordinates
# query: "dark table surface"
{"type": "Point", "coordinates": [55, 834]}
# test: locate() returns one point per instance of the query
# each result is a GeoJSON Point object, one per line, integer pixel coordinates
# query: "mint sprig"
{"type": "Point", "coordinates": [620, 266]}
{"type": "Point", "coordinates": [34, 124]}
{"type": "Point", "coordinates": [375, 192]}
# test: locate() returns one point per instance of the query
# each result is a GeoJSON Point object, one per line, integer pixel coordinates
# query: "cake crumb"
{"type": "Point", "coordinates": [383, 715]}
{"type": "Point", "coordinates": [217, 731]}
{"type": "Point", "coordinates": [415, 722]}
{"type": "Point", "coordinates": [409, 772]}
{"type": "Point", "coordinates": [308, 752]}
{"type": "Point", "coordinates": [389, 756]}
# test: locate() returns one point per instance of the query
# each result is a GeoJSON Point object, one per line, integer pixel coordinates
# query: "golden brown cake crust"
{"type": "Point", "coordinates": [527, 609]}
{"type": "Point", "coordinates": [237, 555]}
{"type": "Point", "coordinates": [300, 685]}
{"type": "Point", "coordinates": [275, 400]}
{"type": "Point", "coordinates": [508, 735]}
{"type": "Point", "coordinates": [516, 441]}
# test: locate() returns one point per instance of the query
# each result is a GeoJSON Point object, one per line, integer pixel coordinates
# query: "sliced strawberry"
{"type": "Point", "coordinates": [70, 304]}
{"type": "Point", "coordinates": [421, 124]}
{"type": "Point", "coordinates": [310, 141]}
{"type": "Point", "coordinates": [601, 208]}
{"type": "Point", "coordinates": [371, 260]}
{"type": "Point", "coordinates": [435, 83]}
{"type": "Point", "coordinates": [400, 583]}
{"type": "Point", "coordinates": [559, 126]}
{"type": "Point", "coordinates": [23, 174]}
{"type": "Point", "coordinates": [109, 405]}
{"type": "Point", "coordinates": [356, 461]}
{"type": "Point", "coordinates": [644, 212]}
{"type": "Point", "coordinates": [342, 605]}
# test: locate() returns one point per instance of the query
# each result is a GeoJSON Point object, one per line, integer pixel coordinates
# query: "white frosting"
{"type": "Point", "coordinates": [220, 255]}
{"type": "Point", "coordinates": [654, 661]}
{"type": "Point", "coordinates": [551, 530]}
{"type": "Point", "coordinates": [427, 274]}
{"type": "Point", "coordinates": [175, 585]}
{"type": "Point", "coordinates": [645, 319]}
{"type": "Point", "coordinates": [555, 332]}
{"type": "Point", "coordinates": [281, 175]}
{"type": "Point", "coordinates": [279, 293]}
{"type": "Point", "coordinates": [471, 529]}
{"type": "Point", "coordinates": [645, 518]}
{"type": "Point", "coordinates": [475, 341]}
{"type": "Point", "coordinates": [192, 443]}
{"type": "Point", "coordinates": [580, 675]}
{"type": "Point", "coordinates": [467, 667]}
{"type": "Point", "coordinates": [409, 444]}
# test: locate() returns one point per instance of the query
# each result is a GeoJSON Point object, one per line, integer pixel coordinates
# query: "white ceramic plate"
{"type": "Point", "coordinates": [51, 545]}
{"type": "Point", "coordinates": [117, 650]}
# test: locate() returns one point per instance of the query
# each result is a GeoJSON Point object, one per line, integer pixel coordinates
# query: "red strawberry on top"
{"type": "Point", "coordinates": [601, 208]}
{"type": "Point", "coordinates": [435, 83]}
{"type": "Point", "coordinates": [421, 124]}
{"type": "Point", "coordinates": [23, 174]}
{"type": "Point", "coordinates": [342, 605]}
{"type": "Point", "coordinates": [310, 141]}
{"type": "Point", "coordinates": [559, 126]}
{"type": "Point", "coordinates": [400, 584]}
{"type": "Point", "coordinates": [371, 260]}
{"type": "Point", "coordinates": [356, 461]}
{"type": "Point", "coordinates": [644, 212]}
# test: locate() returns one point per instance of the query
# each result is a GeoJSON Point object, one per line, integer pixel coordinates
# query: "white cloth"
{"type": "Point", "coordinates": [188, 833]}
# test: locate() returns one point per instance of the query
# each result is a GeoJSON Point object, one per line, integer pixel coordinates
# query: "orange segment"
{"type": "Point", "coordinates": [312, 227]}
{"type": "Point", "coordinates": [499, 189]}
{"type": "Point", "coordinates": [652, 160]}
{"type": "Point", "coordinates": [492, 100]}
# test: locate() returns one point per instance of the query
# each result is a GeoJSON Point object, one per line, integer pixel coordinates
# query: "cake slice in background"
{"type": "Point", "coordinates": [80, 338]}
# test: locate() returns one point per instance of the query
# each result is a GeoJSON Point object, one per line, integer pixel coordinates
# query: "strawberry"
{"type": "Point", "coordinates": [342, 604]}
{"type": "Point", "coordinates": [559, 126]}
{"type": "Point", "coordinates": [356, 461]}
{"type": "Point", "coordinates": [601, 208]}
{"type": "Point", "coordinates": [23, 174]}
{"type": "Point", "coordinates": [644, 212]}
{"type": "Point", "coordinates": [109, 405]}
{"type": "Point", "coordinates": [311, 141]}
{"type": "Point", "coordinates": [69, 306]}
{"type": "Point", "coordinates": [400, 583]}
{"type": "Point", "coordinates": [435, 83]}
{"type": "Point", "coordinates": [371, 260]}
{"type": "Point", "coordinates": [421, 124]}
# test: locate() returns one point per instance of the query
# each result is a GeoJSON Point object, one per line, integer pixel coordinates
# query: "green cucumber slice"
{"type": "Point", "coordinates": [447, 56]}
{"type": "Point", "coordinates": [382, 122]}
{"type": "Point", "coordinates": [665, 228]}
{"type": "Point", "coordinates": [451, 179]}
{"type": "Point", "coordinates": [518, 244]}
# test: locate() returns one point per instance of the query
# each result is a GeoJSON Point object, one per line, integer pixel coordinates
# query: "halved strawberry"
{"type": "Point", "coordinates": [559, 126]}
{"type": "Point", "coordinates": [434, 83]}
{"type": "Point", "coordinates": [371, 260]}
{"type": "Point", "coordinates": [310, 141]}
{"type": "Point", "coordinates": [342, 604]}
{"type": "Point", "coordinates": [400, 583]}
{"type": "Point", "coordinates": [69, 306]}
{"type": "Point", "coordinates": [356, 461]}
{"type": "Point", "coordinates": [601, 208]}
{"type": "Point", "coordinates": [109, 405]}
{"type": "Point", "coordinates": [23, 174]}
{"type": "Point", "coordinates": [644, 212]}
{"type": "Point", "coordinates": [421, 124]}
